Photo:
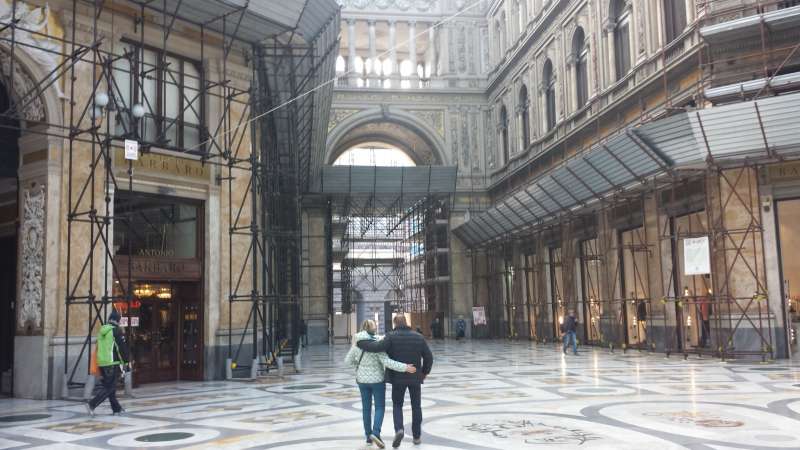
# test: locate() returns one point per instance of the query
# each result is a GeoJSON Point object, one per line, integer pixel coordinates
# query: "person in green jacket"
{"type": "Point", "coordinates": [112, 357]}
{"type": "Point", "coordinates": [370, 369]}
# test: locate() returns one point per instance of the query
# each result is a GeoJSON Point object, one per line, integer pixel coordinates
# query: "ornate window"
{"type": "Point", "coordinates": [169, 92]}
{"type": "Point", "coordinates": [504, 132]}
{"type": "Point", "coordinates": [581, 54]}
{"type": "Point", "coordinates": [498, 40]}
{"type": "Point", "coordinates": [620, 18]}
{"type": "Point", "coordinates": [524, 117]}
{"type": "Point", "coordinates": [549, 90]}
{"type": "Point", "coordinates": [674, 18]}
{"type": "Point", "coordinates": [503, 33]}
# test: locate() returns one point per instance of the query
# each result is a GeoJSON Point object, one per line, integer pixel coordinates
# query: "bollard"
{"type": "Point", "coordinates": [127, 377]}
{"type": "Point", "coordinates": [254, 369]}
{"type": "Point", "coordinates": [298, 364]}
{"type": "Point", "coordinates": [65, 388]}
{"type": "Point", "coordinates": [88, 388]}
{"type": "Point", "coordinates": [228, 369]}
{"type": "Point", "coordinates": [280, 366]}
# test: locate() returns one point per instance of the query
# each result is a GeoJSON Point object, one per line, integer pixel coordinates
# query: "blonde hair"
{"type": "Point", "coordinates": [369, 326]}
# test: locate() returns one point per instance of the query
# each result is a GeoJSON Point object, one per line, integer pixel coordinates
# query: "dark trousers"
{"type": "Point", "coordinates": [398, 396]}
{"type": "Point", "coordinates": [108, 389]}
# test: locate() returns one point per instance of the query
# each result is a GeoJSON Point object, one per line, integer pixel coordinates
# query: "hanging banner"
{"type": "Point", "coordinates": [696, 256]}
{"type": "Point", "coordinates": [478, 315]}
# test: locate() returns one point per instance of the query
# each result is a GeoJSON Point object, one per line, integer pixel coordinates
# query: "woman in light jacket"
{"type": "Point", "coordinates": [370, 368]}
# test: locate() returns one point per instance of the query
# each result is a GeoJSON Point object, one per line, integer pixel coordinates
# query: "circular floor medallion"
{"type": "Point", "coordinates": [305, 387]}
{"type": "Point", "coordinates": [30, 418]}
{"type": "Point", "coordinates": [523, 430]}
{"type": "Point", "coordinates": [712, 421]}
{"type": "Point", "coordinates": [23, 418]}
{"type": "Point", "coordinates": [774, 438]}
{"type": "Point", "coordinates": [164, 438]}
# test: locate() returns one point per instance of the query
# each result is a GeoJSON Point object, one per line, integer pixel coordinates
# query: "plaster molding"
{"type": "Point", "coordinates": [32, 238]}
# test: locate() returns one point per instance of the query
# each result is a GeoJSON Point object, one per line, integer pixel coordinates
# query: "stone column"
{"type": "Point", "coordinates": [395, 74]}
{"type": "Point", "coordinates": [351, 52]}
{"type": "Point", "coordinates": [412, 52]}
{"type": "Point", "coordinates": [431, 54]}
{"type": "Point", "coordinates": [37, 370]}
{"type": "Point", "coordinates": [372, 78]}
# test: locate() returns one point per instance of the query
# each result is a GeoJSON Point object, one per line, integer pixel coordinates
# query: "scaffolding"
{"type": "Point", "coordinates": [626, 272]}
{"type": "Point", "coordinates": [267, 136]}
{"type": "Point", "coordinates": [391, 244]}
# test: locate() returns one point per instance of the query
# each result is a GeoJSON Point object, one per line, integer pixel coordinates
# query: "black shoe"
{"type": "Point", "coordinates": [417, 441]}
{"type": "Point", "coordinates": [398, 437]}
{"type": "Point", "coordinates": [89, 408]}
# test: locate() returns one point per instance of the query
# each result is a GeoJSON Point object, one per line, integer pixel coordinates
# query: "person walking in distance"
{"type": "Point", "coordinates": [461, 328]}
{"type": "Point", "coordinates": [408, 347]}
{"type": "Point", "coordinates": [370, 369]}
{"type": "Point", "coordinates": [112, 358]}
{"type": "Point", "coordinates": [570, 329]}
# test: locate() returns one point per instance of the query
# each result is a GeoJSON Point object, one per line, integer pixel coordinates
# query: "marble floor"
{"type": "Point", "coordinates": [481, 395]}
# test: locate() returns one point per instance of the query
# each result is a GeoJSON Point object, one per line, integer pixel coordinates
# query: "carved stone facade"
{"type": "Point", "coordinates": [32, 239]}
{"type": "Point", "coordinates": [401, 5]}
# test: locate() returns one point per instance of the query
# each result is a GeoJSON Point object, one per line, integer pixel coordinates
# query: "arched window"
{"type": "Point", "coordinates": [340, 64]}
{"type": "Point", "coordinates": [549, 89]}
{"type": "Point", "coordinates": [504, 132]}
{"type": "Point", "coordinates": [524, 117]}
{"type": "Point", "coordinates": [522, 19]}
{"type": "Point", "coordinates": [503, 32]}
{"type": "Point", "coordinates": [674, 18]}
{"type": "Point", "coordinates": [581, 54]}
{"type": "Point", "coordinates": [620, 17]}
{"type": "Point", "coordinates": [498, 40]}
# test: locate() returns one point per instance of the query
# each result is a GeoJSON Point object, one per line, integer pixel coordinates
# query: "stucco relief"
{"type": "Point", "coordinates": [454, 134]}
{"type": "Point", "coordinates": [434, 118]}
{"type": "Point", "coordinates": [473, 140]}
{"type": "Point", "coordinates": [403, 5]}
{"type": "Point", "coordinates": [29, 316]}
{"type": "Point", "coordinates": [36, 27]}
{"type": "Point", "coordinates": [489, 133]}
{"type": "Point", "coordinates": [338, 115]}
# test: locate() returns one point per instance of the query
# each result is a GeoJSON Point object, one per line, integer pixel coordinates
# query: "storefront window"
{"type": "Point", "coordinates": [155, 227]}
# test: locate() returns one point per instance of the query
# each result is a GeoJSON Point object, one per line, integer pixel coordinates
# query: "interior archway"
{"type": "Point", "coordinates": [375, 153]}
{"type": "Point", "coordinates": [9, 216]}
{"type": "Point", "coordinates": [418, 139]}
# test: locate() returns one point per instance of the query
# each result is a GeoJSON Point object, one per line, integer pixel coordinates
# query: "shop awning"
{"type": "Point", "coordinates": [730, 134]}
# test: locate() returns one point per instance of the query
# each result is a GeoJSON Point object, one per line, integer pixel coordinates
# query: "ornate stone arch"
{"type": "Point", "coordinates": [339, 135]}
{"type": "Point", "coordinates": [41, 99]}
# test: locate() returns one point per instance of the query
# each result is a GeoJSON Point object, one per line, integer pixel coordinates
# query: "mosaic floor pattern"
{"type": "Point", "coordinates": [481, 395]}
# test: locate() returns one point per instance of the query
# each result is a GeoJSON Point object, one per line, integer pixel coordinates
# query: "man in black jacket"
{"type": "Point", "coordinates": [409, 347]}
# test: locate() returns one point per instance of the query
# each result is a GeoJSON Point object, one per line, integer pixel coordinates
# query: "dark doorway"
{"type": "Point", "coordinates": [9, 211]}
{"type": "Point", "coordinates": [161, 238]}
{"type": "Point", "coordinates": [787, 213]}
{"type": "Point", "coordinates": [166, 322]}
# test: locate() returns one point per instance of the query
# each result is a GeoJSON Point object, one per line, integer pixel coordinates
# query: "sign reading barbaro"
{"type": "Point", "coordinates": [775, 173]}
{"type": "Point", "coordinates": [167, 165]}
{"type": "Point", "coordinates": [143, 268]}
